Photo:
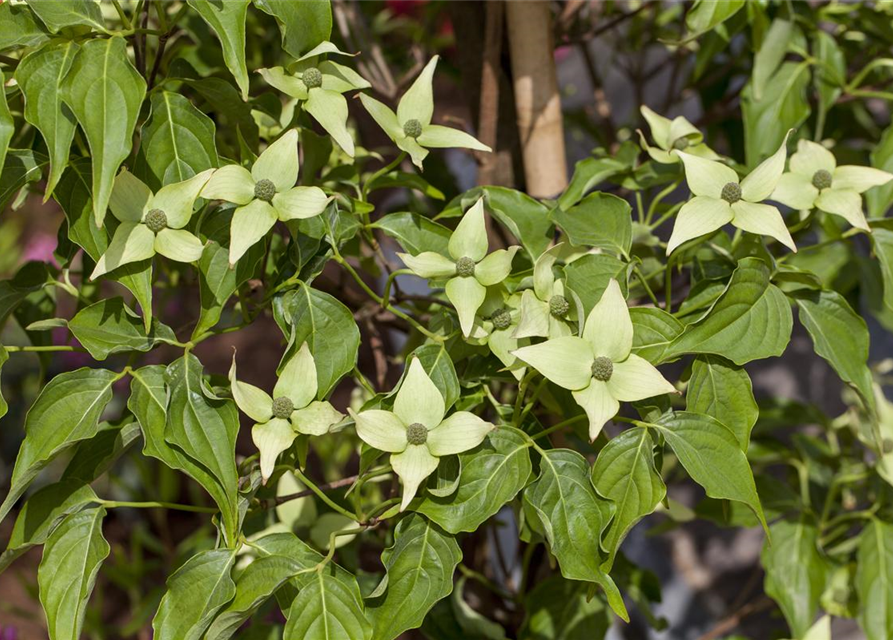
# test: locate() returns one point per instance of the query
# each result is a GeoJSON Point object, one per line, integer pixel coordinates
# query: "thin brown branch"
{"type": "Point", "coordinates": [730, 622]}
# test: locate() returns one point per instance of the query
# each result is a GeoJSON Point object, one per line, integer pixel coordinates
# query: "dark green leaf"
{"type": "Point", "coordinates": [588, 173]}
{"type": "Point", "coordinates": [600, 220]}
{"type": "Point", "coordinates": [66, 411]}
{"type": "Point", "coordinates": [625, 473]}
{"type": "Point", "coordinates": [4, 356]}
{"type": "Point", "coordinates": [420, 569]}
{"type": "Point", "coordinates": [7, 124]}
{"type": "Point", "coordinates": [327, 609]}
{"type": "Point", "coordinates": [559, 609]}
{"type": "Point", "coordinates": [227, 19]}
{"type": "Point", "coordinates": [303, 24]}
{"type": "Point", "coordinates": [707, 14]}
{"type": "Point", "coordinates": [40, 76]}
{"type": "Point", "coordinates": [109, 326]}
{"type": "Point", "coordinates": [19, 27]}
{"type": "Point", "coordinates": [573, 518]}
{"type": "Point", "coordinates": [71, 559]}
{"type": "Point", "coordinates": [415, 233]}
{"type": "Point", "coordinates": [722, 390]}
{"type": "Point", "coordinates": [57, 15]}
{"type": "Point", "coordinates": [195, 593]}
{"type": "Point", "coordinates": [782, 106]}
{"type": "Point", "coordinates": [770, 55]}
{"type": "Point", "coordinates": [874, 576]}
{"type": "Point", "coordinates": [750, 321]}
{"type": "Point", "coordinates": [105, 93]}
{"type": "Point", "coordinates": [653, 332]}
{"type": "Point", "coordinates": [712, 455]}
{"type": "Point", "coordinates": [492, 475]}
{"type": "Point", "coordinates": [589, 276]}
{"type": "Point", "coordinates": [22, 166]}
{"type": "Point", "coordinates": [95, 456]}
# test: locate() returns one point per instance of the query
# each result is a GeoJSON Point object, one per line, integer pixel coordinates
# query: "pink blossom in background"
{"type": "Point", "coordinates": [40, 247]}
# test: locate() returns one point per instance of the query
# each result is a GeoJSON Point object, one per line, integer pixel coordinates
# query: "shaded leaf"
{"type": "Point", "coordinates": [108, 326]}
{"type": "Point", "coordinates": [720, 389]}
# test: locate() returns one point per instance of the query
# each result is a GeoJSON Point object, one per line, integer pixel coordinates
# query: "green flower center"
{"type": "Point", "coordinates": [558, 306]}
{"type": "Point", "coordinates": [412, 128]}
{"type": "Point", "coordinates": [156, 220]}
{"type": "Point", "coordinates": [416, 433]}
{"type": "Point", "coordinates": [283, 407]}
{"type": "Point", "coordinates": [465, 267]}
{"type": "Point", "coordinates": [264, 190]}
{"type": "Point", "coordinates": [731, 192]}
{"type": "Point", "coordinates": [602, 368]}
{"type": "Point", "coordinates": [312, 77]}
{"type": "Point", "coordinates": [681, 143]}
{"type": "Point", "coordinates": [821, 179]}
{"type": "Point", "coordinates": [501, 318]}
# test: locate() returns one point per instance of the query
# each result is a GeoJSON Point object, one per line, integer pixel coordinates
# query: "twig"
{"type": "Point", "coordinates": [335, 484]}
{"type": "Point", "coordinates": [730, 622]}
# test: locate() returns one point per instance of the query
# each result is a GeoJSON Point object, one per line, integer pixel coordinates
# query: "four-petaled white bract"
{"type": "Point", "coordinates": [672, 136]}
{"type": "Point", "coordinates": [292, 410]}
{"type": "Point", "coordinates": [540, 305]}
{"type": "Point", "coordinates": [815, 181]}
{"type": "Point", "coordinates": [599, 368]}
{"type": "Point", "coordinates": [470, 269]}
{"type": "Point", "coordinates": [415, 433]}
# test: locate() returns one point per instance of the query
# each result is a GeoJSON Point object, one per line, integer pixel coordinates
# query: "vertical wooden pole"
{"type": "Point", "coordinates": [537, 100]}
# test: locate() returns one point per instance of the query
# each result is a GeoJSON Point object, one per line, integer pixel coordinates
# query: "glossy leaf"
{"type": "Point", "coordinates": [873, 578]}
{"type": "Point", "coordinates": [58, 15]}
{"type": "Point", "coordinates": [653, 332]}
{"type": "Point", "coordinates": [720, 389]}
{"type": "Point", "coordinates": [559, 609]}
{"type": "Point", "coordinates": [66, 411]}
{"type": "Point", "coordinates": [600, 220]}
{"type": "Point", "coordinates": [227, 19]}
{"type": "Point", "coordinates": [420, 568]}
{"type": "Point", "coordinates": [415, 233]}
{"type": "Point", "coordinates": [303, 24]}
{"type": "Point", "coordinates": [21, 28]}
{"type": "Point", "coordinates": [326, 609]}
{"type": "Point", "coordinates": [108, 326]}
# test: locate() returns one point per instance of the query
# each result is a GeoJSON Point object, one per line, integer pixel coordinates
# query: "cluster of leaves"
{"type": "Point", "coordinates": [517, 358]}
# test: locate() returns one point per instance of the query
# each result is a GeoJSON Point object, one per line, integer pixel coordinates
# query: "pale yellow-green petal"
{"type": "Point", "coordinates": [796, 191]}
{"type": "Point", "coordinates": [177, 199]}
{"type": "Point", "coordinates": [811, 157]}
{"type": "Point", "coordinates": [253, 401]}
{"type": "Point", "coordinates": [418, 399]}
{"type": "Point", "coordinates": [636, 379]}
{"type": "Point", "coordinates": [299, 203]}
{"type": "Point", "coordinates": [599, 405]}
{"type": "Point", "coordinates": [706, 177]}
{"type": "Point", "coordinates": [316, 418]}
{"type": "Point", "coordinates": [132, 242]}
{"type": "Point", "coordinates": [249, 224]}
{"type": "Point", "coordinates": [469, 240]}
{"type": "Point", "coordinates": [130, 197]}
{"type": "Point", "coordinates": [329, 109]}
{"type": "Point", "coordinates": [429, 265]}
{"type": "Point", "coordinates": [760, 183]}
{"type": "Point", "coordinates": [534, 318]}
{"type": "Point", "coordinates": [418, 101]}
{"type": "Point", "coordinates": [697, 217]}
{"type": "Point", "coordinates": [543, 277]}
{"type": "Point", "coordinates": [288, 84]}
{"type": "Point", "coordinates": [659, 126]}
{"type": "Point", "coordinates": [682, 129]}
{"type": "Point", "coordinates": [844, 203]}
{"type": "Point", "coordinates": [297, 382]}
{"type": "Point", "coordinates": [179, 245]}
{"type": "Point", "coordinates": [230, 183]}
{"type": "Point", "coordinates": [565, 361]}
{"type": "Point", "coordinates": [460, 432]}
{"type": "Point", "coordinates": [271, 439]}
{"type": "Point", "coordinates": [859, 179]}
{"type": "Point", "coordinates": [381, 430]}
{"type": "Point", "coordinates": [608, 328]}
{"type": "Point", "coordinates": [279, 162]}
{"type": "Point", "coordinates": [412, 466]}
{"type": "Point", "coordinates": [439, 137]}
{"type": "Point", "coordinates": [417, 152]}
{"type": "Point", "coordinates": [762, 219]}
{"type": "Point", "coordinates": [495, 267]}
{"type": "Point", "coordinates": [467, 295]}
{"type": "Point", "coordinates": [383, 116]}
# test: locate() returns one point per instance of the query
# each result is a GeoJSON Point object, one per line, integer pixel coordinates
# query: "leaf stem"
{"type": "Point", "coordinates": [39, 349]}
{"type": "Point", "coordinates": [364, 192]}
{"type": "Point", "coordinates": [112, 504]}
{"type": "Point", "coordinates": [322, 496]}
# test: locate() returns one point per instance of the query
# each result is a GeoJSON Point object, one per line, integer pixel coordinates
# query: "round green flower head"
{"type": "Point", "coordinates": [681, 143]}
{"type": "Point", "coordinates": [558, 306]}
{"type": "Point", "coordinates": [264, 190]}
{"type": "Point", "coordinates": [602, 368]}
{"type": "Point", "coordinates": [156, 220]}
{"type": "Point", "coordinates": [412, 128]}
{"type": "Point", "coordinates": [731, 192]}
{"type": "Point", "coordinates": [465, 267]}
{"type": "Point", "coordinates": [821, 179]}
{"type": "Point", "coordinates": [283, 407]}
{"type": "Point", "coordinates": [312, 78]}
{"type": "Point", "coordinates": [417, 433]}
{"type": "Point", "coordinates": [501, 318]}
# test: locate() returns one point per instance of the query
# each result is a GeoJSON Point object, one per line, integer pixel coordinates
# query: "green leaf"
{"type": "Point", "coordinates": [66, 411]}
{"type": "Point", "coordinates": [195, 593]}
{"type": "Point", "coordinates": [30, 279]}
{"type": "Point", "coordinates": [67, 572]}
{"type": "Point", "coordinates": [328, 327]}
{"type": "Point", "coordinates": [751, 320]}
{"type": "Point", "coordinates": [624, 473]}
{"type": "Point", "coordinates": [492, 475]}
{"type": "Point", "coordinates": [205, 429]}
{"type": "Point", "coordinates": [589, 276]}
{"type": "Point", "coordinates": [58, 15]}
{"type": "Point", "coordinates": [19, 27]}
{"type": "Point", "coordinates": [148, 402]}
{"type": "Point", "coordinates": [105, 93]}
{"type": "Point", "coordinates": [41, 513]}
{"type": "Point", "coordinates": [73, 195]}
{"type": "Point", "coordinates": [7, 124]}
{"type": "Point", "coordinates": [720, 389]}
{"type": "Point", "coordinates": [222, 99]}
{"type": "Point", "coordinates": [95, 456]}
{"type": "Point", "coordinates": [22, 166]}
{"type": "Point", "coordinates": [712, 455]}
{"type": "Point", "coordinates": [573, 518]}
{"type": "Point", "coordinates": [839, 335]}
{"type": "Point", "coordinates": [439, 367]}
{"type": "Point", "coordinates": [882, 243]}
{"type": "Point", "coordinates": [874, 576]}
{"type": "Point", "coordinates": [176, 142]}
{"type": "Point", "coordinates": [600, 220]}
{"type": "Point", "coordinates": [326, 609]}
{"type": "Point", "coordinates": [525, 217]}
{"type": "Point", "coordinates": [420, 569]}
{"type": "Point", "coordinates": [40, 76]}
{"type": "Point", "coordinates": [303, 24]}
{"type": "Point", "coordinates": [559, 609]}
{"type": "Point", "coordinates": [653, 332]}
{"type": "Point", "coordinates": [415, 233]}
{"type": "Point", "coordinates": [4, 356]}
{"type": "Point", "coordinates": [770, 55]}
{"type": "Point", "coordinates": [783, 106]}
{"type": "Point", "coordinates": [707, 14]}
{"type": "Point", "coordinates": [588, 173]}
{"type": "Point", "coordinates": [795, 572]}
{"type": "Point", "coordinates": [109, 326]}
{"type": "Point", "coordinates": [227, 19]}
{"type": "Point", "coordinates": [254, 586]}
